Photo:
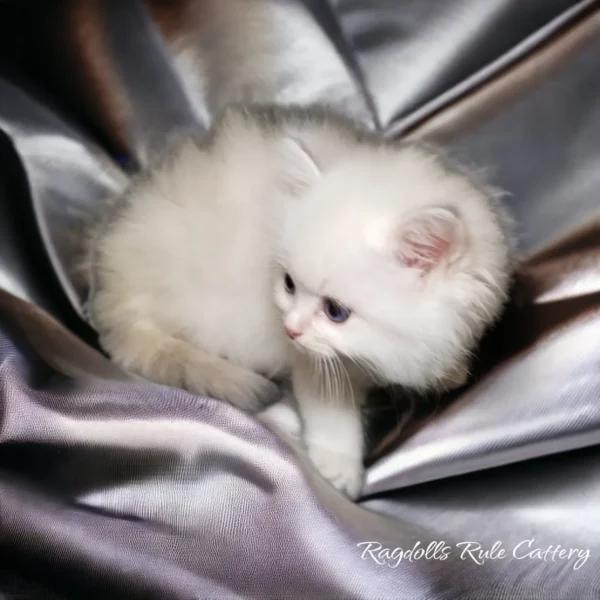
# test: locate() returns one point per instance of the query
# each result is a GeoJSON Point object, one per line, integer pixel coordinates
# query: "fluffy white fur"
{"type": "Point", "coordinates": [189, 273]}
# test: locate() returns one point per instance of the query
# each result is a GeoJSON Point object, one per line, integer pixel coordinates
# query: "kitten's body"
{"type": "Point", "coordinates": [192, 261]}
{"type": "Point", "coordinates": [189, 273]}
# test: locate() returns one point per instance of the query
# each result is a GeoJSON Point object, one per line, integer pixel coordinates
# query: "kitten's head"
{"type": "Point", "coordinates": [388, 257]}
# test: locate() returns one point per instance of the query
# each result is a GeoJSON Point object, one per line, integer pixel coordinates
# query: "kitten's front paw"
{"type": "Point", "coordinates": [343, 471]}
{"type": "Point", "coordinates": [284, 418]}
{"type": "Point", "coordinates": [251, 391]}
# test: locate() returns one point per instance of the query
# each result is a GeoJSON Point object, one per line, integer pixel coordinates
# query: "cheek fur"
{"type": "Point", "coordinates": [283, 300]}
{"type": "Point", "coordinates": [322, 332]}
{"type": "Point", "coordinates": [347, 338]}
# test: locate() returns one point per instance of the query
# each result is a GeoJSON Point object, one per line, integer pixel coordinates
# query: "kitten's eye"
{"type": "Point", "coordinates": [290, 286]}
{"type": "Point", "coordinates": [335, 311]}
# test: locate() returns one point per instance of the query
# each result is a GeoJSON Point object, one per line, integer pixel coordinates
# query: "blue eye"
{"type": "Point", "coordinates": [335, 311]}
{"type": "Point", "coordinates": [290, 286]}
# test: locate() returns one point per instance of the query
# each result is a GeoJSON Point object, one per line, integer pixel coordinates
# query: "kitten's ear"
{"type": "Point", "coordinates": [432, 238]}
{"type": "Point", "coordinates": [299, 169]}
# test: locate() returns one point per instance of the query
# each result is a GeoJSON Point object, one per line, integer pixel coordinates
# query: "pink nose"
{"type": "Point", "coordinates": [292, 333]}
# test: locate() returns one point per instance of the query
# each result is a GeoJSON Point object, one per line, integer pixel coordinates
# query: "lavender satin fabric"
{"type": "Point", "coordinates": [115, 488]}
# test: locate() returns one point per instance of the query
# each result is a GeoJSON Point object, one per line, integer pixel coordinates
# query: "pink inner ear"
{"type": "Point", "coordinates": [428, 240]}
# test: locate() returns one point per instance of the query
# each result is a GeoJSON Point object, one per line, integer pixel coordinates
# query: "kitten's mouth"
{"type": "Point", "coordinates": [311, 347]}
{"type": "Point", "coordinates": [298, 345]}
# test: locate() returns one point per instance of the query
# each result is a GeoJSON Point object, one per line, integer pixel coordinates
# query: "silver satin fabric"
{"type": "Point", "coordinates": [114, 488]}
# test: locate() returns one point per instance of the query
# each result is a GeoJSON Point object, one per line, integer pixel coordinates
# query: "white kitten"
{"type": "Point", "coordinates": [293, 241]}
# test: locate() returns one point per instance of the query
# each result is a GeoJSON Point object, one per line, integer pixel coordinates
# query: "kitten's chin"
{"type": "Point", "coordinates": [314, 349]}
